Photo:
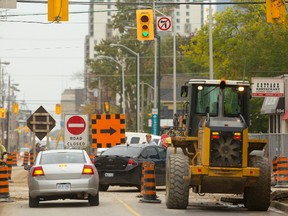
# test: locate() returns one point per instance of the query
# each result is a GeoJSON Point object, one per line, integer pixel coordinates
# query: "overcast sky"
{"type": "Point", "coordinates": [44, 58]}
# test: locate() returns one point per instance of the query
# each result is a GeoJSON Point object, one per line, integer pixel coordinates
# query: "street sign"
{"type": "Point", "coordinates": [108, 130]}
{"type": "Point", "coordinates": [155, 124]}
{"type": "Point", "coordinates": [40, 122]}
{"type": "Point", "coordinates": [164, 24]}
{"type": "Point", "coordinates": [76, 125]}
{"type": "Point", "coordinates": [76, 131]}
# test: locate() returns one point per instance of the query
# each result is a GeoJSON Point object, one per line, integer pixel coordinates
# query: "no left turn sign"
{"type": "Point", "coordinates": [164, 24]}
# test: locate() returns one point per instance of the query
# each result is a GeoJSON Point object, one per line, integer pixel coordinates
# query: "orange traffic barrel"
{"type": "Point", "coordinates": [9, 166]}
{"type": "Point", "coordinates": [4, 183]}
{"type": "Point", "coordinates": [25, 159]}
{"type": "Point", "coordinates": [149, 183]}
{"type": "Point", "coordinates": [14, 158]}
{"type": "Point", "coordinates": [31, 158]}
{"type": "Point", "coordinates": [274, 174]}
{"type": "Point", "coordinates": [282, 172]}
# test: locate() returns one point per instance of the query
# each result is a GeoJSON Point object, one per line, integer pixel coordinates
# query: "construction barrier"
{"type": "Point", "coordinates": [4, 183]}
{"type": "Point", "coordinates": [149, 183]}
{"type": "Point", "coordinates": [25, 158]}
{"type": "Point", "coordinates": [9, 166]}
{"type": "Point", "coordinates": [14, 158]}
{"type": "Point", "coordinates": [31, 159]}
{"type": "Point", "coordinates": [274, 171]}
{"type": "Point", "coordinates": [282, 172]}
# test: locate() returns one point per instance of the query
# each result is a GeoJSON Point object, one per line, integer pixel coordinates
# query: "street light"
{"type": "Point", "coordinates": [137, 83]}
{"type": "Point", "coordinates": [122, 75]}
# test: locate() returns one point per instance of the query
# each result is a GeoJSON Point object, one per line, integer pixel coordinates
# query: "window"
{"type": "Point", "coordinates": [207, 99]}
{"type": "Point", "coordinates": [187, 6]}
{"type": "Point", "coordinates": [231, 102]}
{"type": "Point", "coordinates": [177, 13]}
{"type": "Point", "coordinates": [62, 157]}
{"type": "Point", "coordinates": [144, 154]}
{"type": "Point", "coordinates": [152, 153]}
{"type": "Point", "coordinates": [187, 13]}
{"type": "Point", "coordinates": [135, 140]}
{"type": "Point", "coordinates": [187, 20]}
{"type": "Point", "coordinates": [178, 20]}
{"type": "Point", "coordinates": [162, 153]}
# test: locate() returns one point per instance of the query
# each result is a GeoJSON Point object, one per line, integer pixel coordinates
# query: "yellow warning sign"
{"type": "Point", "coordinates": [108, 130]}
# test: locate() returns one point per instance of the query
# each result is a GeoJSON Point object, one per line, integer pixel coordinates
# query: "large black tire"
{"type": "Point", "coordinates": [33, 202]}
{"type": "Point", "coordinates": [93, 200]}
{"type": "Point", "coordinates": [257, 198]}
{"type": "Point", "coordinates": [177, 189]}
{"type": "Point", "coordinates": [103, 187]}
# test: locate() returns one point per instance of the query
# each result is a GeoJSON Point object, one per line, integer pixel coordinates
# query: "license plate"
{"type": "Point", "coordinates": [63, 187]}
{"type": "Point", "coordinates": [109, 174]}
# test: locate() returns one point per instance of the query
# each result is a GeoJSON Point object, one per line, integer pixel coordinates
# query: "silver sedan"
{"type": "Point", "coordinates": [63, 174]}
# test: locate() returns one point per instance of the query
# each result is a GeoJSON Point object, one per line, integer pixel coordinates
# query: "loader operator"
{"type": "Point", "coordinates": [3, 153]}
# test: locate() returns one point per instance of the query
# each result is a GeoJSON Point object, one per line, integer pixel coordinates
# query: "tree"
{"type": "Point", "coordinates": [244, 46]}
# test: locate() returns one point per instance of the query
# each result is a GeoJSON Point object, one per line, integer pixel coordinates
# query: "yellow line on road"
{"type": "Point", "coordinates": [129, 208]}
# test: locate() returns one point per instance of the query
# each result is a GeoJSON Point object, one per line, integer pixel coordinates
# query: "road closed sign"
{"type": "Point", "coordinates": [76, 131]}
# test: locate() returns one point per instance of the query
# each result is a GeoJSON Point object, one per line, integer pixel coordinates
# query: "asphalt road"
{"type": "Point", "coordinates": [117, 201]}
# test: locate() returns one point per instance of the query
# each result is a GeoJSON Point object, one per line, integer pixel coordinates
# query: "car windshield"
{"type": "Point", "coordinates": [128, 151]}
{"type": "Point", "coordinates": [62, 157]}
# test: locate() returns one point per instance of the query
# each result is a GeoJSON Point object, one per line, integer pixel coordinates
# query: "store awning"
{"type": "Point", "coordinates": [285, 116]}
{"type": "Point", "coordinates": [273, 105]}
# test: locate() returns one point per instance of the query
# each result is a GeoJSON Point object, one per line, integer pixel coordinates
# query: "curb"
{"type": "Point", "coordinates": [280, 206]}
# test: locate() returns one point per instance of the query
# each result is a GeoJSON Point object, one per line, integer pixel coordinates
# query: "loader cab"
{"type": "Point", "coordinates": [215, 99]}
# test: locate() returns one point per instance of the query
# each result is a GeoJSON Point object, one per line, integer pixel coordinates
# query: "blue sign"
{"type": "Point", "coordinates": [155, 126]}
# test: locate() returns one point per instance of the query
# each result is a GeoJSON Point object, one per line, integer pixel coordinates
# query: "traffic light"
{"type": "Point", "coordinates": [57, 10]}
{"type": "Point", "coordinates": [145, 24]}
{"type": "Point", "coordinates": [275, 11]}
{"type": "Point", "coordinates": [58, 109]}
{"type": "Point", "coordinates": [2, 113]}
{"type": "Point", "coordinates": [26, 129]}
{"type": "Point", "coordinates": [15, 108]}
{"type": "Point", "coordinates": [19, 129]}
{"type": "Point", "coordinates": [107, 107]}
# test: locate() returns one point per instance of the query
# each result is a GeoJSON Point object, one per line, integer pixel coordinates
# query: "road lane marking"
{"type": "Point", "coordinates": [129, 208]}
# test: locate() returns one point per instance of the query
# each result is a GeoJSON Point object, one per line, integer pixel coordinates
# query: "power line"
{"type": "Point", "coordinates": [147, 3]}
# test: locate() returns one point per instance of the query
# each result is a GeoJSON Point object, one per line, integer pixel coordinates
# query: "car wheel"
{"type": "Point", "coordinates": [94, 200]}
{"type": "Point", "coordinates": [33, 202]}
{"type": "Point", "coordinates": [103, 187]}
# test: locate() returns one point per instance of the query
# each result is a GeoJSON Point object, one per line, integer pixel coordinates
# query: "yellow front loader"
{"type": "Point", "coordinates": [214, 153]}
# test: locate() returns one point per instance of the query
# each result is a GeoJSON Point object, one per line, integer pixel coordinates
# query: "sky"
{"type": "Point", "coordinates": [44, 57]}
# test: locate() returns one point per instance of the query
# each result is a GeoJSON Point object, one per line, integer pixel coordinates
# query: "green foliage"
{"type": "Point", "coordinates": [244, 46]}
{"type": "Point", "coordinates": [258, 122]}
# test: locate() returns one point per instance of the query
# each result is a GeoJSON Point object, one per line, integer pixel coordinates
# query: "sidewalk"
{"type": "Point", "coordinates": [279, 198]}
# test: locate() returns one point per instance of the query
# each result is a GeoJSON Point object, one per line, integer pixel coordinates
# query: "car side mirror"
{"type": "Point", "coordinates": [184, 91]}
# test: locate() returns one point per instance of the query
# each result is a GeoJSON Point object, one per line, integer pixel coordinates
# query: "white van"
{"type": "Point", "coordinates": [140, 138]}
